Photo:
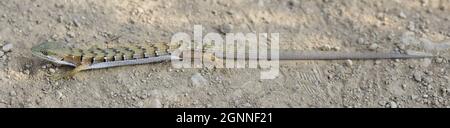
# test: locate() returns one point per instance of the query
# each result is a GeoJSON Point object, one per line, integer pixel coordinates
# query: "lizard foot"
{"type": "Point", "coordinates": [70, 74]}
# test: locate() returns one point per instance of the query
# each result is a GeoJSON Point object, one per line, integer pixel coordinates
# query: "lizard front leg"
{"type": "Point", "coordinates": [71, 74]}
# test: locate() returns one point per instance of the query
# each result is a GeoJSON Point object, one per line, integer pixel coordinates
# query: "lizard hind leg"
{"type": "Point", "coordinates": [70, 74]}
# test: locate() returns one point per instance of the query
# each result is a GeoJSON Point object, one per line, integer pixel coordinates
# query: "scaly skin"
{"type": "Point", "coordinates": [131, 54]}
{"type": "Point", "coordinates": [94, 58]}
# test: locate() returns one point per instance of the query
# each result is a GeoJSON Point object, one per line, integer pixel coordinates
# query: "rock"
{"type": "Point", "coordinates": [401, 46]}
{"type": "Point", "coordinates": [414, 97]}
{"type": "Point", "coordinates": [373, 46]}
{"type": "Point", "coordinates": [59, 95]}
{"type": "Point", "coordinates": [336, 48]}
{"type": "Point", "coordinates": [155, 103]}
{"type": "Point", "coordinates": [26, 72]}
{"type": "Point", "coordinates": [71, 34]}
{"type": "Point", "coordinates": [382, 103]}
{"type": "Point", "coordinates": [226, 28]}
{"type": "Point", "coordinates": [411, 26]}
{"type": "Point", "coordinates": [361, 41]}
{"type": "Point", "coordinates": [325, 47]}
{"type": "Point", "coordinates": [418, 76]}
{"type": "Point", "coordinates": [132, 21]}
{"type": "Point", "coordinates": [76, 23]}
{"type": "Point", "coordinates": [140, 104]}
{"type": "Point", "coordinates": [198, 80]}
{"type": "Point", "coordinates": [425, 96]}
{"type": "Point", "coordinates": [404, 86]}
{"type": "Point", "coordinates": [8, 47]}
{"type": "Point", "coordinates": [1, 53]}
{"type": "Point", "coordinates": [439, 60]}
{"type": "Point", "coordinates": [52, 70]}
{"type": "Point", "coordinates": [445, 92]}
{"type": "Point", "coordinates": [12, 93]}
{"type": "Point", "coordinates": [392, 104]}
{"type": "Point", "coordinates": [247, 105]}
{"type": "Point", "coordinates": [349, 63]}
{"type": "Point", "coordinates": [60, 19]}
{"type": "Point", "coordinates": [402, 15]}
{"type": "Point", "coordinates": [428, 80]}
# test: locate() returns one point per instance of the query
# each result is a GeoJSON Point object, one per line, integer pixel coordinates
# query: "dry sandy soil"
{"type": "Point", "coordinates": [314, 25]}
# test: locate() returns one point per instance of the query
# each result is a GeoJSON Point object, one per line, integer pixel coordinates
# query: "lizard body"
{"type": "Point", "coordinates": [95, 58]}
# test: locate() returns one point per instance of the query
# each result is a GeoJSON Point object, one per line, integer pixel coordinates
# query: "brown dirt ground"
{"type": "Point", "coordinates": [342, 25]}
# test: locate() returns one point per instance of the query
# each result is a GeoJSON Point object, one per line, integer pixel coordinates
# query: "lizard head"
{"type": "Point", "coordinates": [50, 51]}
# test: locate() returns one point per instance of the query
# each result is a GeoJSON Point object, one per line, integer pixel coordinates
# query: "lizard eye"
{"type": "Point", "coordinates": [44, 52]}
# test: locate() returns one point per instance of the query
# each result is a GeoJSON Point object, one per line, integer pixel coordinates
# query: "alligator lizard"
{"type": "Point", "coordinates": [95, 58]}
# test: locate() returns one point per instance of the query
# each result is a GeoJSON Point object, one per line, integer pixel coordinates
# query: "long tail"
{"type": "Point", "coordinates": [298, 55]}
{"type": "Point", "coordinates": [301, 55]}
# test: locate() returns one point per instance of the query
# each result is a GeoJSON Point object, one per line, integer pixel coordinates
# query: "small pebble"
{"type": "Point", "coordinates": [428, 79]}
{"type": "Point", "coordinates": [411, 26]}
{"type": "Point", "coordinates": [336, 48]}
{"type": "Point", "coordinates": [247, 105]}
{"type": "Point", "coordinates": [155, 104]}
{"type": "Point", "coordinates": [377, 62]}
{"type": "Point", "coordinates": [425, 96]}
{"type": "Point", "coordinates": [402, 15]}
{"type": "Point", "coordinates": [52, 70]}
{"type": "Point", "coordinates": [361, 41]}
{"type": "Point", "coordinates": [71, 34]}
{"type": "Point", "coordinates": [404, 86]}
{"type": "Point", "coordinates": [2, 53]}
{"type": "Point", "coordinates": [12, 93]}
{"type": "Point", "coordinates": [325, 48]}
{"type": "Point", "coordinates": [373, 46]}
{"type": "Point", "coordinates": [76, 23]}
{"type": "Point", "coordinates": [402, 46]}
{"type": "Point", "coordinates": [27, 72]}
{"type": "Point", "coordinates": [439, 60]}
{"type": "Point", "coordinates": [414, 97]}
{"type": "Point", "coordinates": [392, 104]}
{"type": "Point", "coordinates": [418, 76]}
{"type": "Point", "coordinates": [60, 19]}
{"type": "Point", "coordinates": [382, 103]}
{"type": "Point", "coordinates": [54, 36]}
{"type": "Point", "coordinates": [349, 62]}
{"type": "Point", "coordinates": [8, 47]}
{"type": "Point", "coordinates": [59, 95]}
{"type": "Point", "coordinates": [226, 28]}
